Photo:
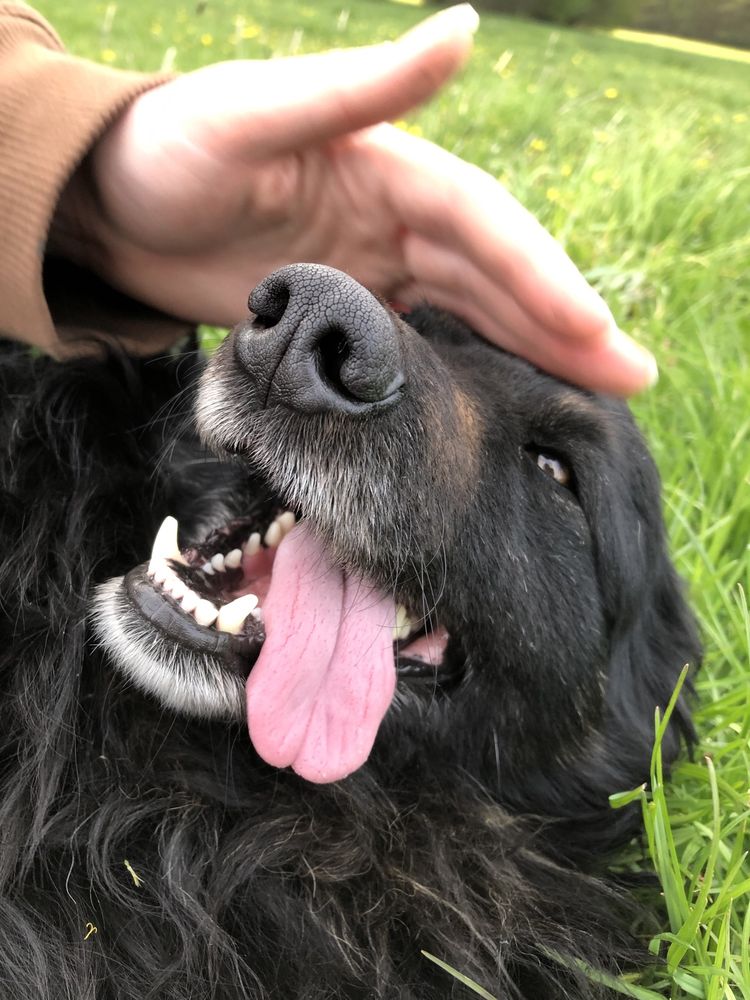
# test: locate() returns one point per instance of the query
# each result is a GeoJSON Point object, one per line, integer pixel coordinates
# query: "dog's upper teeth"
{"type": "Point", "coordinates": [232, 616]}
{"type": "Point", "coordinates": [404, 624]}
{"type": "Point", "coordinates": [208, 568]}
{"type": "Point", "coordinates": [233, 559]}
{"type": "Point", "coordinates": [273, 535]}
{"type": "Point", "coordinates": [165, 544]}
{"type": "Point", "coordinates": [287, 520]}
{"type": "Point", "coordinates": [280, 526]}
{"type": "Point", "coordinates": [205, 612]}
{"type": "Point", "coordinates": [217, 562]}
{"type": "Point", "coordinates": [252, 545]}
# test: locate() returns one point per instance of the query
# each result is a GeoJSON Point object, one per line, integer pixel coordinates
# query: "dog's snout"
{"type": "Point", "coordinates": [320, 341]}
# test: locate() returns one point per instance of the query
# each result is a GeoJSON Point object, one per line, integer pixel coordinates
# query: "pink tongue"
{"type": "Point", "coordinates": [325, 675]}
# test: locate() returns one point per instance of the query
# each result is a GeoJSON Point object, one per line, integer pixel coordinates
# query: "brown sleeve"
{"type": "Point", "coordinates": [53, 107]}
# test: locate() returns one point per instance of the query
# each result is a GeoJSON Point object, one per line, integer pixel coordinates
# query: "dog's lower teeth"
{"type": "Point", "coordinates": [205, 612]}
{"type": "Point", "coordinates": [165, 544]}
{"type": "Point", "coordinates": [232, 616]}
{"type": "Point", "coordinates": [189, 602]}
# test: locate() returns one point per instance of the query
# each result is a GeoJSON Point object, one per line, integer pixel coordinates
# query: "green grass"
{"type": "Point", "coordinates": [638, 159]}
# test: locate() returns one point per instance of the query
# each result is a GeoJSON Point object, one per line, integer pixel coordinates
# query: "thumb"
{"type": "Point", "coordinates": [289, 103]}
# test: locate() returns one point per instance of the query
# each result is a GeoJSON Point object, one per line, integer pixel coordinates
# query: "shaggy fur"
{"type": "Point", "coordinates": [479, 829]}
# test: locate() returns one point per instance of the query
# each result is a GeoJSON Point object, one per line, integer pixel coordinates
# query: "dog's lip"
{"type": "Point", "coordinates": [238, 652]}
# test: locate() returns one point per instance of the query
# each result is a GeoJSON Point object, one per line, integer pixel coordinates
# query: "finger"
{"type": "Point", "coordinates": [286, 104]}
{"type": "Point", "coordinates": [457, 205]}
{"type": "Point", "coordinates": [611, 362]}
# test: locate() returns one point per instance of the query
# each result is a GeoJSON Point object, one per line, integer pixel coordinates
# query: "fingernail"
{"type": "Point", "coordinates": [653, 371]}
{"type": "Point", "coordinates": [638, 355]}
{"type": "Point", "coordinates": [461, 19]}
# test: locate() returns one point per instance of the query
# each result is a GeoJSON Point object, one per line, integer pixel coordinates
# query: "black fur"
{"type": "Point", "coordinates": [479, 829]}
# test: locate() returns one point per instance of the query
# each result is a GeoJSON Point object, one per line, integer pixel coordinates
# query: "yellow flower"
{"type": "Point", "coordinates": [108, 55]}
{"type": "Point", "coordinates": [566, 170]}
{"type": "Point", "coordinates": [611, 93]}
{"type": "Point", "coordinates": [502, 64]}
{"type": "Point", "coordinates": [406, 127]}
{"type": "Point", "coordinates": [207, 39]}
{"type": "Point", "coordinates": [702, 163]}
{"type": "Point", "coordinates": [250, 31]}
{"type": "Point", "coordinates": [601, 135]}
{"type": "Point", "coordinates": [156, 29]}
{"type": "Point", "coordinates": [739, 118]}
{"type": "Point", "coordinates": [538, 145]}
{"type": "Point", "coordinates": [553, 194]}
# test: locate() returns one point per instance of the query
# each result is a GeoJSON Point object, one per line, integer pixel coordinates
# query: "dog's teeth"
{"type": "Point", "coordinates": [205, 612]}
{"type": "Point", "coordinates": [208, 568]}
{"type": "Point", "coordinates": [274, 535]}
{"type": "Point", "coordinates": [286, 521]}
{"type": "Point", "coordinates": [217, 562]}
{"type": "Point", "coordinates": [252, 545]}
{"type": "Point", "coordinates": [404, 625]}
{"type": "Point", "coordinates": [165, 544]}
{"type": "Point", "coordinates": [232, 616]}
{"type": "Point", "coordinates": [178, 589]}
{"type": "Point", "coordinates": [233, 559]}
{"type": "Point", "coordinates": [190, 601]}
{"type": "Point", "coordinates": [160, 570]}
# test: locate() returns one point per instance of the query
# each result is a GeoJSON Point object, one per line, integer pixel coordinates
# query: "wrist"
{"type": "Point", "coordinates": [75, 230]}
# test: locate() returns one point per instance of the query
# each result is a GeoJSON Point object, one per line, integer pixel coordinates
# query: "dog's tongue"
{"type": "Point", "coordinates": [325, 675]}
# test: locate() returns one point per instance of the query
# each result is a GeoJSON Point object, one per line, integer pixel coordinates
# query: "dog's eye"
{"type": "Point", "coordinates": [551, 465]}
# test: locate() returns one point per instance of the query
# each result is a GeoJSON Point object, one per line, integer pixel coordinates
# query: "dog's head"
{"type": "Point", "coordinates": [416, 525]}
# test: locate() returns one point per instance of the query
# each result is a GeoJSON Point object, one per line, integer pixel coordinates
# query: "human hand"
{"type": "Point", "coordinates": [211, 181]}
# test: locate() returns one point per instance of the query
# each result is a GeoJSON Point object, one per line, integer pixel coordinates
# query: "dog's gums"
{"type": "Point", "coordinates": [342, 638]}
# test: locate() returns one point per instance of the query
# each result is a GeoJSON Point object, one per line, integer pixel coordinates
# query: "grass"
{"type": "Point", "coordinates": [638, 159]}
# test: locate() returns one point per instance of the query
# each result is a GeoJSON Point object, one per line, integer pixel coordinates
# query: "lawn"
{"type": "Point", "coordinates": [638, 158]}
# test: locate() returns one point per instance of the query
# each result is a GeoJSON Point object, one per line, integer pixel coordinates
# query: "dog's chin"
{"type": "Point", "coordinates": [189, 626]}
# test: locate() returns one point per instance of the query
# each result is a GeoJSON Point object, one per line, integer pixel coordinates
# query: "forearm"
{"type": "Point", "coordinates": [53, 108]}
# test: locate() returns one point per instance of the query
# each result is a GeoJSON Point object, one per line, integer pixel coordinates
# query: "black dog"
{"type": "Point", "coordinates": [506, 525]}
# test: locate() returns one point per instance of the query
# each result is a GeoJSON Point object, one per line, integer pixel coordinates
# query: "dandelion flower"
{"type": "Point", "coordinates": [538, 145]}
{"type": "Point", "coordinates": [108, 55]}
{"type": "Point", "coordinates": [207, 39]}
{"type": "Point", "coordinates": [611, 93]}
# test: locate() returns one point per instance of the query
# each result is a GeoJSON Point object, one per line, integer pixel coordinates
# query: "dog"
{"type": "Point", "coordinates": [322, 654]}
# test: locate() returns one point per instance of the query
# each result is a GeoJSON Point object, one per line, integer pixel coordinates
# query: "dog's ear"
{"type": "Point", "coordinates": [653, 633]}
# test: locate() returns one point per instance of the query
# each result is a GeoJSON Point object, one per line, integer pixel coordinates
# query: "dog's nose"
{"type": "Point", "coordinates": [320, 341]}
